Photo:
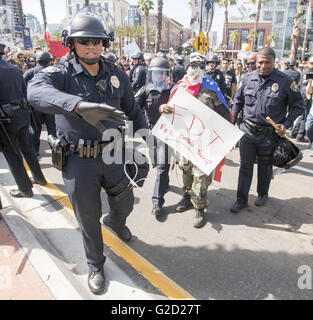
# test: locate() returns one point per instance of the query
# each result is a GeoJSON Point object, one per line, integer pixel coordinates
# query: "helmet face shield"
{"type": "Point", "coordinates": [159, 78]}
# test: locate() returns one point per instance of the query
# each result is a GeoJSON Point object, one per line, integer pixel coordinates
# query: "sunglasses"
{"type": "Point", "coordinates": [195, 66]}
{"type": "Point", "coordinates": [85, 41]}
{"type": "Point", "coordinates": [250, 63]}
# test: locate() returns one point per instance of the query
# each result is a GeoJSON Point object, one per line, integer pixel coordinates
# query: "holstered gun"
{"type": "Point", "coordinates": [29, 107]}
{"type": "Point", "coordinates": [60, 151]}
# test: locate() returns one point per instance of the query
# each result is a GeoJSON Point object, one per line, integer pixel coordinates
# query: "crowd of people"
{"type": "Point", "coordinates": [90, 90]}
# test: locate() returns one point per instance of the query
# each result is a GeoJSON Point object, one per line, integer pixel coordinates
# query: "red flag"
{"type": "Point", "coordinates": [47, 36]}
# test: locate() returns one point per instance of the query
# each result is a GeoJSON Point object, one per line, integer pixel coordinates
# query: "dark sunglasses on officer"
{"type": "Point", "coordinates": [196, 65]}
{"type": "Point", "coordinates": [250, 63]}
{"type": "Point", "coordinates": [86, 41]}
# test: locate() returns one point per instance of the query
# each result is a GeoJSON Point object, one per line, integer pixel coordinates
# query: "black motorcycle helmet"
{"type": "Point", "coordinates": [90, 22]}
{"type": "Point", "coordinates": [160, 64]}
{"type": "Point", "coordinates": [180, 60]}
{"type": "Point", "coordinates": [286, 154]}
{"type": "Point", "coordinates": [138, 56]}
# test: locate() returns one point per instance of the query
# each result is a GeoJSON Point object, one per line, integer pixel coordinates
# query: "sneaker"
{"type": "Point", "coordinates": [237, 206]}
{"type": "Point", "coordinates": [184, 203]}
{"type": "Point", "coordinates": [261, 200]}
{"type": "Point", "coordinates": [198, 218]}
{"type": "Point", "coordinates": [156, 211]}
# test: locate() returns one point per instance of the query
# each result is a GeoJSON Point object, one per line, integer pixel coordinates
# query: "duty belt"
{"type": "Point", "coordinates": [90, 148]}
{"type": "Point", "coordinates": [257, 128]}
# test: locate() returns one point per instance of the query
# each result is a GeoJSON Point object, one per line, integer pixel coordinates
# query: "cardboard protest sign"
{"type": "Point", "coordinates": [197, 132]}
{"type": "Point", "coordinates": [131, 49]}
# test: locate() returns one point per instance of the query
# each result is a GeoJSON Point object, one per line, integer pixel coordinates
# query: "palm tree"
{"type": "Point", "coordinates": [271, 39]}
{"type": "Point", "coordinates": [257, 18]}
{"type": "Point", "coordinates": [159, 30]}
{"type": "Point", "coordinates": [307, 27]}
{"type": "Point", "coordinates": [233, 38]}
{"type": "Point", "coordinates": [295, 37]}
{"type": "Point", "coordinates": [144, 6]}
{"type": "Point", "coordinates": [43, 11]}
{"type": "Point", "coordinates": [225, 4]}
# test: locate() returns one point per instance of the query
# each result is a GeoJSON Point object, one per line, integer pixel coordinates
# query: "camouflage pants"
{"type": "Point", "coordinates": [196, 183]}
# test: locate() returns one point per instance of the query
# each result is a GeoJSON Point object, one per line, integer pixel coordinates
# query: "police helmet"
{"type": "Point", "coordinates": [161, 54]}
{"type": "Point", "coordinates": [2, 46]}
{"type": "Point", "coordinates": [286, 154]}
{"type": "Point", "coordinates": [90, 22]}
{"type": "Point", "coordinates": [159, 63]}
{"type": "Point", "coordinates": [110, 57]}
{"type": "Point", "coordinates": [138, 55]}
{"type": "Point", "coordinates": [291, 62]}
{"type": "Point", "coordinates": [43, 56]}
{"type": "Point", "coordinates": [126, 64]}
{"type": "Point", "coordinates": [180, 59]}
{"type": "Point", "coordinates": [159, 73]}
{"type": "Point", "coordinates": [212, 57]}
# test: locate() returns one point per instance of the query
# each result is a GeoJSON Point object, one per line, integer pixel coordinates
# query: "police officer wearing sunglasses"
{"type": "Point", "coordinates": [89, 95]}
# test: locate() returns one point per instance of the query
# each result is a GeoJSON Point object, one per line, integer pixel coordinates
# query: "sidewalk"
{"type": "Point", "coordinates": [18, 279]}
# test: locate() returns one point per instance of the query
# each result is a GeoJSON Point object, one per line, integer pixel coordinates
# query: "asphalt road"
{"type": "Point", "coordinates": [256, 254]}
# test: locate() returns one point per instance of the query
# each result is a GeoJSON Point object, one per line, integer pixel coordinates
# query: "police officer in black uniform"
{"type": "Point", "coordinates": [138, 73]}
{"type": "Point", "coordinates": [89, 95]}
{"type": "Point", "coordinates": [292, 72]}
{"type": "Point", "coordinates": [179, 70]}
{"type": "Point", "coordinates": [14, 132]}
{"type": "Point", "coordinates": [212, 72]}
{"type": "Point", "coordinates": [43, 59]}
{"type": "Point", "coordinates": [151, 98]}
{"type": "Point", "coordinates": [263, 92]}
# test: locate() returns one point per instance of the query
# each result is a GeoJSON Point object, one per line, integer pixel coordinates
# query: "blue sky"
{"type": "Point", "coordinates": [175, 9]}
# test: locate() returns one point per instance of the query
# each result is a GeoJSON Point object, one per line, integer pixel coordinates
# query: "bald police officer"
{"type": "Point", "coordinates": [264, 92]}
{"type": "Point", "coordinates": [88, 96]}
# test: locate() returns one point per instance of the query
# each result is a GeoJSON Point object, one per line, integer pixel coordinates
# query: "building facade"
{"type": "Point", "coordinates": [281, 13]}
{"type": "Point", "coordinates": [172, 32]}
{"type": "Point", "coordinates": [33, 23]}
{"type": "Point", "coordinates": [117, 8]}
{"type": "Point", "coordinates": [133, 16]}
{"type": "Point", "coordinates": [11, 15]}
{"type": "Point", "coordinates": [243, 29]}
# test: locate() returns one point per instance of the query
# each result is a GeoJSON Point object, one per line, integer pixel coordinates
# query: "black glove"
{"type": "Point", "coordinates": [93, 113]}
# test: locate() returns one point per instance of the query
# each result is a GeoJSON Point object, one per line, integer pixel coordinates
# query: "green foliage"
{"type": "Point", "coordinates": [144, 6]}
{"type": "Point", "coordinates": [234, 36]}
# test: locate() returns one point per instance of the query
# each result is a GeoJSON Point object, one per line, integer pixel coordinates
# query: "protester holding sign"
{"type": "Point", "coordinates": [195, 181]}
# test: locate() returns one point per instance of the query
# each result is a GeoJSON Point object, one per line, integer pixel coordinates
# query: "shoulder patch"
{"type": "Point", "coordinates": [51, 69]}
{"type": "Point", "coordinates": [294, 87]}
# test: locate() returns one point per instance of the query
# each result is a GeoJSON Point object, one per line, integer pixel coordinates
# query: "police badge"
{"type": "Point", "coordinates": [115, 82]}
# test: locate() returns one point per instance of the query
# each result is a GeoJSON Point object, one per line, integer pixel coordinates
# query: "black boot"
{"type": "Point", "coordinates": [156, 211]}
{"type": "Point", "coordinates": [184, 203]}
{"type": "Point", "coordinates": [21, 194]}
{"type": "Point", "coordinates": [198, 218]}
{"type": "Point", "coordinates": [96, 281]}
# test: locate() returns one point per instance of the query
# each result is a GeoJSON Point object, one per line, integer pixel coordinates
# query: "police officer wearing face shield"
{"type": "Point", "coordinates": [138, 73]}
{"type": "Point", "coordinates": [43, 59]}
{"type": "Point", "coordinates": [151, 98]}
{"type": "Point", "coordinates": [89, 95]}
{"type": "Point", "coordinates": [212, 72]}
{"type": "Point", "coordinates": [263, 92]}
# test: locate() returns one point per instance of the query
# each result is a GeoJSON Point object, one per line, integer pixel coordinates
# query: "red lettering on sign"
{"type": "Point", "coordinates": [217, 137]}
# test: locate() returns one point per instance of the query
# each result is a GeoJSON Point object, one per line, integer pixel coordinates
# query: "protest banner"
{"type": "Point", "coordinates": [197, 132]}
{"type": "Point", "coordinates": [57, 49]}
{"type": "Point", "coordinates": [131, 49]}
